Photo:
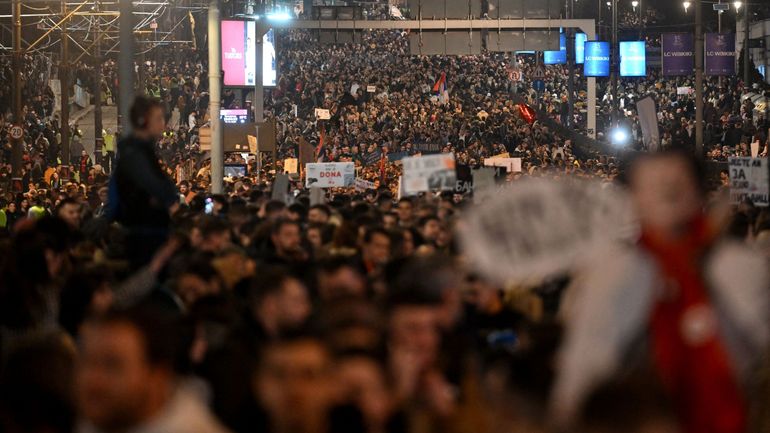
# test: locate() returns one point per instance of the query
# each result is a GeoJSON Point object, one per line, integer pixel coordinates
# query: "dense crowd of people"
{"type": "Point", "coordinates": [133, 300]}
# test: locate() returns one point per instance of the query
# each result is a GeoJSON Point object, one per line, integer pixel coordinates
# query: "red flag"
{"type": "Point", "coordinates": [382, 168]}
{"type": "Point", "coordinates": [527, 113]}
{"type": "Point", "coordinates": [320, 151]}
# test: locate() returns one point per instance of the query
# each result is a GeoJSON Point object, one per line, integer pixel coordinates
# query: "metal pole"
{"type": "Point", "coordinates": [570, 68]}
{"type": "Point", "coordinates": [259, 94]}
{"type": "Point", "coordinates": [614, 69]}
{"type": "Point", "coordinates": [746, 59]}
{"type": "Point", "coordinates": [98, 139]}
{"type": "Point", "coordinates": [142, 78]}
{"type": "Point", "coordinates": [64, 84]}
{"type": "Point", "coordinates": [17, 149]}
{"type": "Point", "coordinates": [126, 64]}
{"type": "Point", "coordinates": [698, 79]}
{"type": "Point", "coordinates": [591, 85]}
{"type": "Point", "coordinates": [215, 98]}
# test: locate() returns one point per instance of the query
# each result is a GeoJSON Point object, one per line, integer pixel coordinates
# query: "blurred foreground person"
{"type": "Point", "coordinates": [126, 380]}
{"type": "Point", "coordinates": [142, 196]}
{"type": "Point", "coordinates": [683, 300]}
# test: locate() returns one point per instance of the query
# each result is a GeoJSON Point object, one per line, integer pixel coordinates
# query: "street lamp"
{"type": "Point", "coordinates": [686, 5]}
{"type": "Point", "coordinates": [737, 5]}
{"type": "Point", "coordinates": [634, 4]}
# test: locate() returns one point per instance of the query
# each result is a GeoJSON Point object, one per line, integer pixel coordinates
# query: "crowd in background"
{"type": "Point", "coordinates": [354, 313]}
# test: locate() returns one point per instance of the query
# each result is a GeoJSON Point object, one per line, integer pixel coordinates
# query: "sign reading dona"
{"type": "Point", "coordinates": [330, 174]}
{"type": "Point", "coordinates": [677, 53]}
{"type": "Point", "coordinates": [720, 54]}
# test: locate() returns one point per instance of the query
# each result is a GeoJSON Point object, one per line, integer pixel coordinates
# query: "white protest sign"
{"type": "Point", "coordinates": [290, 165]}
{"type": "Point", "coordinates": [429, 172]}
{"type": "Point", "coordinates": [684, 90]}
{"type": "Point", "coordinates": [322, 114]}
{"type": "Point", "coordinates": [541, 228]}
{"type": "Point", "coordinates": [371, 89]}
{"type": "Point", "coordinates": [513, 165]}
{"type": "Point", "coordinates": [483, 183]}
{"type": "Point", "coordinates": [329, 174]}
{"type": "Point", "coordinates": [363, 184]}
{"type": "Point", "coordinates": [749, 180]}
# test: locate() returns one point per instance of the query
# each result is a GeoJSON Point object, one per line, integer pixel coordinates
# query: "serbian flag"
{"type": "Point", "coordinates": [320, 150]}
{"type": "Point", "coordinates": [383, 161]}
{"type": "Point", "coordinates": [527, 113]}
{"type": "Point", "coordinates": [440, 89]}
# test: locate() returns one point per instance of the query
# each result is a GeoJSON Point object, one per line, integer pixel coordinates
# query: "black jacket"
{"type": "Point", "coordinates": [142, 191]}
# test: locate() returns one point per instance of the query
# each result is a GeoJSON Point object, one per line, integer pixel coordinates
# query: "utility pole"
{"type": "Point", "coordinates": [64, 84]}
{"type": "Point", "coordinates": [215, 98]}
{"type": "Point", "coordinates": [699, 79]}
{"type": "Point", "coordinates": [17, 145]}
{"type": "Point", "coordinates": [614, 70]}
{"type": "Point", "coordinates": [98, 138]}
{"type": "Point", "coordinates": [126, 65]}
{"type": "Point", "coordinates": [746, 59]}
{"type": "Point", "coordinates": [142, 69]}
{"type": "Point", "coordinates": [570, 66]}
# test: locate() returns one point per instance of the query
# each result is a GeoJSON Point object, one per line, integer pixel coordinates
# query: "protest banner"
{"type": "Point", "coordinates": [317, 196]}
{"type": "Point", "coordinates": [373, 158]}
{"type": "Point", "coordinates": [330, 174]}
{"type": "Point", "coordinates": [513, 165]}
{"type": "Point", "coordinates": [749, 180]}
{"type": "Point", "coordinates": [427, 148]}
{"type": "Point", "coordinates": [290, 165]}
{"type": "Point", "coordinates": [685, 90]}
{"type": "Point", "coordinates": [541, 228]}
{"type": "Point", "coordinates": [363, 184]}
{"type": "Point", "coordinates": [429, 172]}
{"type": "Point", "coordinates": [483, 183]}
{"type": "Point", "coordinates": [501, 155]}
{"type": "Point", "coordinates": [464, 182]}
{"type": "Point", "coordinates": [648, 121]}
{"type": "Point", "coordinates": [322, 114]}
{"type": "Point", "coordinates": [280, 188]}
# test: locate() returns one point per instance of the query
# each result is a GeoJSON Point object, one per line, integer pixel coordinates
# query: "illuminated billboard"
{"type": "Point", "coordinates": [580, 40]}
{"type": "Point", "coordinates": [633, 62]}
{"type": "Point", "coordinates": [557, 57]}
{"type": "Point", "coordinates": [239, 57]}
{"type": "Point", "coordinates": [597, 59]}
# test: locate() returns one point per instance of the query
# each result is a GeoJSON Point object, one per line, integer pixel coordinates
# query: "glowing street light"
{"type": "Point", "coordinates": [686, 5]}
{"type": "Point", "coordinates": [619, 136]}
{"type": "Point", "coordinates": [634, 4]}
{"type": "Point", "coordinates": [737, 5]}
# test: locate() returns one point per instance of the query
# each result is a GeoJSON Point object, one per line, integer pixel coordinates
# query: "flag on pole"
{"type": "Point", "coordinates": [320, 150]}
{"type": "Point", "coordinates": [441, 90]}
{"type": "Point", "coordinates": [383, 161]}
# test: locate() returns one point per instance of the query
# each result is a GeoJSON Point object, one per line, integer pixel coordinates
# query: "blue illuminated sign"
{"type": "Point", "coordinates": [557, 57]}
{"type": "Point", "coordinates": [597, 59]}
{"type": "Point", "coordinates": [580, 40]}
{"type": "Point", "coordinates": [633, 62]}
